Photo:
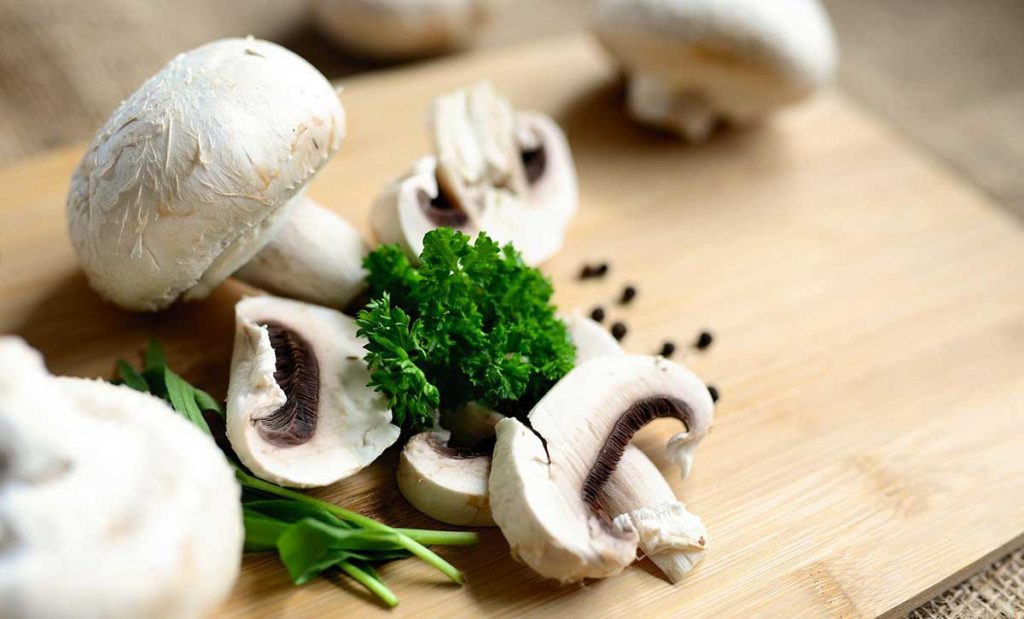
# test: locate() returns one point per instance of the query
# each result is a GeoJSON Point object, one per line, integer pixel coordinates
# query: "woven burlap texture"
{"type": "Point", "coordinates": [65, 65]}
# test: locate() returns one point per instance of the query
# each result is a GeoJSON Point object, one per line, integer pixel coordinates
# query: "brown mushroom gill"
{"type": "Point", "coordinates": [442, 210]}
{"type": "Point", "coordinates": [535, 163]}
{"type": "Point", "coordinates": [297, 372]}
{"type": "Point", "coordinates": [635, 417]}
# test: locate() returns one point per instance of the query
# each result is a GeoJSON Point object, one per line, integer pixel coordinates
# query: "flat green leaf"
{"type": "Point", "coordinates": [206, 402]}
{"type": "Point", "coordinates": [290, 511]}
{"type": "Point", "coordinates": [155, 357]}
{"type": "Point", "coordinates": [128, 376]}
{"type": "Point", "coordinates": [261, 532]}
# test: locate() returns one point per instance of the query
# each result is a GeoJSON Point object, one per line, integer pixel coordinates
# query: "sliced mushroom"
{"type": "Point", "coordinates": [693, 63]}
{"type": "Point", "coordinates": [299, 411]}
{"type": "Point", "coordinates": [546, 479]}
{"type": "Point", "coordinates": [445, 483]}
{"type": "Point", "coordinates": [190, 177]}
{"type": "Point", "coordinates": [639, 499]}
{"type": "Point", "coordinates": [508, 174]}
{"type": "Point", "coordinates": [113, 505]}
{"type": "Point", "coordinates": [400, 29]}
{"type": "Point", "coordinates": [591, 339]}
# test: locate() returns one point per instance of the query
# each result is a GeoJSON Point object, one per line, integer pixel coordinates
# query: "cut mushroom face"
{"type": "Point", "coordinates": [399, 29]}
{"type": "Point", "coordinates": [299, 412]}
{"type": "Point", "coordinates": [693, 63]}
{"type": "Point", "coordinates": [508, 174]}
{"type": "Point", "coordinates": [445, 483]}
{"type": "Point", "coordinates": [546, 481]}
{"type": "Point", "coordinates": [112, 502]}
{"type": "Point", "coordinates": [189, 178]}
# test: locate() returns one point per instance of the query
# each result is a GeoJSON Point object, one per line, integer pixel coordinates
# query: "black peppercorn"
{"type": "Point", "coordinates": [619, 331]}
{"type": "Point", "coordinates": [714, 393]}
{"type": "Point", "coordinates": [601, 270]}
{"type": "Point", "coordinates": [587, 272]}
{"type": "Point", "coordinates": [667, 349]}
{"type": "Point", "coordinates": [704, 340]}
{"type": "Point", "coordinates": [597, 314]}
{"type": "Point", "coordinates": [628, 294]}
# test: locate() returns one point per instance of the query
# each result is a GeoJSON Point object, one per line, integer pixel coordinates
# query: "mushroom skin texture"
{"type": "Point", "coordinates": [693, 63]}
{"type": "Point", "coordinates": [591, 339]}
{"type": "Point", "coordinates": [299, 411]}
{"type": "Point", "coordinates": [544, 492]}
{"type": "Point", "coordinates": [316, 257]}
{"type": "Point", "coordinates": [112, 504]}
{"type": "Point", "coordinates": [189, 177]}
{"type": "Point", "coordinates": [445, 483]}
{"type": "Point", "coordinates": [509, 174]}
{"type": "Point", "coordinates": [401, 29]}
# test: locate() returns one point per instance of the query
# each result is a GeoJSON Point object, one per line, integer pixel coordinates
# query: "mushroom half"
{"type": "Point", "coordinates": [693, 63]}
{"type": "Point", "coordinates": [546, 480]}
{"type": "Point", "coordinates": [299, 411]}
{"type": "Point", "coordinates": [193, 174]}
{"type": "Point", "coordinates": [509, 174]}
{"type": "Point", "coordinates": [111, 504]}
{"type": "Point", "coordinates": [401, 29]}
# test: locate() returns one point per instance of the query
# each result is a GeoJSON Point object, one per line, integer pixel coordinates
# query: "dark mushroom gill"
{"type": "Point", "coordinates": [297, 372]}
{"type": "Point", "coordinates": [442, 211]}
{"type": "Point", "coordinates": [535, 163]}
{"type": "Point", "coordinates": [638, 415]}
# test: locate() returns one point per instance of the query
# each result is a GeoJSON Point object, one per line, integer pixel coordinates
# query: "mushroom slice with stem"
{"type": "Point", "coordinates": [112, 504]}
{"type": "Point", "coordinates": [546, 480]}
{"type": "Point", "coordinates": [693, 63]}
{"type": "Point", "coordinates": [401, 29]}
{"type": "Point", "coordinates": [190, 177]}
{"type": "Point", "coordinates": [299, 411]}
{"type": "Point", "coordinates": [496, 170]}
{"type": "Point", "coordinates": [640, 499]}
{"type": "Point", "coordinates": [446, 483]}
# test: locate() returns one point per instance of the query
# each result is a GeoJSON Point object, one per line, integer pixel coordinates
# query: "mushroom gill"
{"type": "Point", "coordinates": [297, 372]}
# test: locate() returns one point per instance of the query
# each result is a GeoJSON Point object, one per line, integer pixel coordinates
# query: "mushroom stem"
{"type": "Point", "coordinates": [686, 112]}
{"type": "Point", "coordinates": [315, 256]}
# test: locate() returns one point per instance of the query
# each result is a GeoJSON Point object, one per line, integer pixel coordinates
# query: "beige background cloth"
{"type": "Point", "coordinates": [947, 74]}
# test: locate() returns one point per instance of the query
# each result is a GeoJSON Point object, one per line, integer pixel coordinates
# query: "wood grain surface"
{"type": "Point", "coordinates": [869, 314]}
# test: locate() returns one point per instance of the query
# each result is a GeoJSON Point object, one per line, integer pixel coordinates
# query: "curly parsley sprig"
{"type": "Point", "coordinates": [472, 323]}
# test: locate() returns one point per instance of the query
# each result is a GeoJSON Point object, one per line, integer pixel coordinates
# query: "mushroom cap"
{"type": "Point", "coordinates": [316, 256]}
{"type": "Point", "coordinates": [396, 29]}
{"type": "Point", "coordinates": [543, 491]}
{"type": "Point", "coordinates": [446, 484]}
{"type": "Point", "coordinates": [113, 505]}
{"type": "Point", "coordinates": [330, 424]}
{"type": "Point", "coordinates": [187, 179]}
{"type": "Point", "coordinates": [591, 339]}
{"type": "Point", "coordinates": [741, 58]}
{"type": "Point", "coordinates": [509, 174]}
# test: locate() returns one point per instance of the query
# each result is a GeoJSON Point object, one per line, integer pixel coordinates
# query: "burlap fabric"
{"type": "Point", "coordinates": [65, 64]}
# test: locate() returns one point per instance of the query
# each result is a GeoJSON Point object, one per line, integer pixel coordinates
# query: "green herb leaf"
{"type": "Point", "coordinates": [127, 375]}
{"type": "Point", "coordinates": [472, 323]}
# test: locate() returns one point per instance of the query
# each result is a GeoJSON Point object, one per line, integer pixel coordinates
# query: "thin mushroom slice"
{"type": "Point", "coordinates": [112, 504]}
{"type": "Point", "coordinates": [545, 481]}
{"type": "Point", "coordinates": [507, 173]}
{"type": "Point", "coordinates": [445, 483]}
{"type": "Point", "coordinates": [315, 256]}
{"type": "Point", "coordinates": [591, 339]}
{"type": "Point", "coordinates": [299, 411]}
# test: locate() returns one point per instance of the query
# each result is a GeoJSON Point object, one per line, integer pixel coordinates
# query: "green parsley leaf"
{"type": "Point", "coordinates": [473, 323]}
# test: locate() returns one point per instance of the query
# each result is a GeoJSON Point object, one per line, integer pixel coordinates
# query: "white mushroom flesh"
{"type": "Point", "coordinates": [445, 483]}
{"type": "Point", "coordinates": [691, 63]}
{"type": "Point", "coordinates": [299, 411]}
{"type": "Point", "coordinates": [315, 256]}
{"type": "Point", "coordinates": [544, 493]}
{"type": "Point", "coordinates": [111, 505]}
{"type": "Point", "coordinates": [186, 181]}
{"type": "Point", "coordinates": [508, 174]}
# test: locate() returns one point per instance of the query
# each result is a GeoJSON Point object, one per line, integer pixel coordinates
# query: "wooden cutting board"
{"type": "Point", "coordinates": [869, 314]}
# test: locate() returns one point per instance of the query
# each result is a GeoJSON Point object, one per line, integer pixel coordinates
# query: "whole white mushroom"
{"type": "Point", "coordinates": [198, 170]}
{"type": "Point", "coordinates": [111, 504]}
{"type": "Point", "coordinates": [693, 63]}
{"type": "Point", "coordinates": [400, 29]}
